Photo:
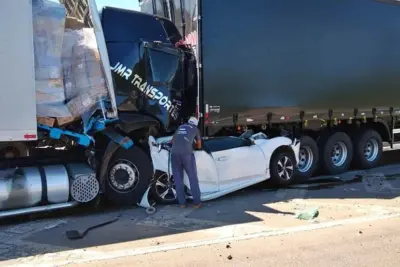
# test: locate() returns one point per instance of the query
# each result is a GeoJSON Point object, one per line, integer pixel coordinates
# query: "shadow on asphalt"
{"type": "Point", "coordinates": [229, 210]}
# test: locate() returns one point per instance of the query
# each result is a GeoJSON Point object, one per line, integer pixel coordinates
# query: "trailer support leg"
{"type": "Point", "coordinates": [330, 115]}
{"type": "Point", "coordinates": [269, 118]}
{"type": "Point", "coordinates": [392, 125]}
{"type": "Point", "coordinates": [235, 118]}
{"type": "Point", "coordinates": [355, 114]}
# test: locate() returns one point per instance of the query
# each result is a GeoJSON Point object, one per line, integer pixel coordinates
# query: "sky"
{"type": "Point", "coordinates": [127, 4]}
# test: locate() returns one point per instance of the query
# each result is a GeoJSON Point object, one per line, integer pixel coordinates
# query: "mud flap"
{"type": "Point", "coordinates": [123, 141]}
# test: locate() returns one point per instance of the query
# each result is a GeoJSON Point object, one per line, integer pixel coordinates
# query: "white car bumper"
{"type": "Point", "coordinates": [296, 149]}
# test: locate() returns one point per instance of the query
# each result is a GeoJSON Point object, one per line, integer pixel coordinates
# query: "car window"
{"type": "Point", "coordinates": [225, 143]}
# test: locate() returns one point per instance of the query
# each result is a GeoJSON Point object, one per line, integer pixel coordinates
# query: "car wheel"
{"type": "Point", "coordinates": [282, 168]}
{"type": "Point", "coordinates": [336, 152]}
{"type": "Point", "coordinates": [367, 149]}
{"type": "Point", "coordinates": [308, 158]}
{"type": "Point", "coordinates": [128, 176]}
{"type": "Point", "coordinates": [163, 189]}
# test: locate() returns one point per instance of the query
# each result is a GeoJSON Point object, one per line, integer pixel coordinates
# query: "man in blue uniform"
{"type": "Point", "coordinates": [182, 158]}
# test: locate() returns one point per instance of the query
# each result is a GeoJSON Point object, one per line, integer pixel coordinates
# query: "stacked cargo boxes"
{"type": "Point", "coordinates": [69, 77]}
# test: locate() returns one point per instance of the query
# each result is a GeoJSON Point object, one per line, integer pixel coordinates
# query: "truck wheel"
{"type": "Point", "coordinates": [308, 158]}
{"type": "Point", "coordinates": [282, 168]}
{"type": "Point", "coordinates": [128, 176]}
{"type": "Point", "coordinates": [367, 149]}
{"type": "Point", "coordinates": [163, 189]}
{"type": "Point", "coordinates": [336, 153]}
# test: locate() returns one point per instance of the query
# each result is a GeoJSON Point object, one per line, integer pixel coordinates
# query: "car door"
{"type": "Point", "coordinates": [206, 173]}
{"type": "Point", "coordinates": [239, 162]}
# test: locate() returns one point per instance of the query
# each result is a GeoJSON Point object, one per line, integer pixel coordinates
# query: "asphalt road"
{"type": "Point", "coordinates": [259, 223]}
{"type": "Point", "coordinates": [365, 245]}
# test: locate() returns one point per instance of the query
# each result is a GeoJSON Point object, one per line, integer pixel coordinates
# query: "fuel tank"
{"type": "Point", "coordinates": [53, 184]}
{"type": "Point", "coordinates": [146, 66]}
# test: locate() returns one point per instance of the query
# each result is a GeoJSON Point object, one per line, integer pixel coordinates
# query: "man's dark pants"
{"type": "Point", "coordinates": [185, 162]}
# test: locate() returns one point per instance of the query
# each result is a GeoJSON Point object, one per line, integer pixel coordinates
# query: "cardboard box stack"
{"type": "Point", "coordinates": [84, 77]}
{"type": "Point", "coordinates": [70, 79]}
{"type": "Point", "coordinates": [48, 30]}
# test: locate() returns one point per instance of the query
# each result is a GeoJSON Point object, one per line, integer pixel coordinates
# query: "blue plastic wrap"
{"type": "Point", "coordinates": [48, 29]}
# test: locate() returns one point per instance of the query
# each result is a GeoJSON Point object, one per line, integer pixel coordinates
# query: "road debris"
{"type": "Point", "coordinates": [308, 214]}
{"type": "Point", "coordinates": [230, 257]}
{"type": "Point", "coordinates": [77, 234]}
{"type": "Point", "coordinates": [55, 224]}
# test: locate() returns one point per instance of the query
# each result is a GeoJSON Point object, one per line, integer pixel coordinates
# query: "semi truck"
{"type": "Point", "coordinates": [48, 167]}
{"type": "Point", "coordinates": [323, 71]}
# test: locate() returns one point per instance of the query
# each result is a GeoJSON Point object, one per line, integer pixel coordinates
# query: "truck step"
{"type": "Point", "coordinates": [31, 210]}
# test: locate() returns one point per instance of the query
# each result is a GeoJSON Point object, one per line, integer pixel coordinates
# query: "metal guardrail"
{"type": "Point", "coordinates": [78, 9]}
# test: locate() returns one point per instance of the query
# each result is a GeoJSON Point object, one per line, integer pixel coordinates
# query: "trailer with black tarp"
{"type": "Point", "coordinates": [326, 71]}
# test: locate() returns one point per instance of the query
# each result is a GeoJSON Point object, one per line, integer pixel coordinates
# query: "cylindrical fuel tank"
{"type": "Point", "coordinates": [30, 186]}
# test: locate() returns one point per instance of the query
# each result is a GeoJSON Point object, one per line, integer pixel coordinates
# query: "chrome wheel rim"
{"type": "Point", "coordinates": [306, 159]}
{"type": "Point", "coordinates": [339, 154]}
{"type": "Point", "coordinates": [285, 168]}
{"type": "Point", "coordinates": [124, 176]}
{"type": "Point", "coordinates": [165, 188]}
{"type": "Point", "coordinates": [371, 149]}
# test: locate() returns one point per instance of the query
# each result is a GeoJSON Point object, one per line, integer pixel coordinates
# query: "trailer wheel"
{"type": "Point", "coordinates": [282, 167]}
{"type": "Point", "coordinates": [367, 149]}
{"type": "Point", "coordinates": [336, 153]}
{"type": "Point", "coordinates": [308, 158]}
{"type": "Point", "coordinates": [128, 176]}
{"type": "Point", "coordinates": [163, 189]}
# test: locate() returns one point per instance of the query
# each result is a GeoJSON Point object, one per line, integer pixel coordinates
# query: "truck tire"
{"type": "Point", "coordinates": [367, 149]}
{"type": "Point", "coordinates": [336, 153]}
{"type": "Point", "coordinates": [162, 190]}
{"type": "Point", "coordinates": [282, 167]}
{"type": "Point", "coordinates": [308, 158]}
{"type": "Point", "coordinates": [128, 176]}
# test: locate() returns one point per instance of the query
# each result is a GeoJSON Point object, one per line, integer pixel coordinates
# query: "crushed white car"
{"type": "Point", "coordinates": [227, 164]}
